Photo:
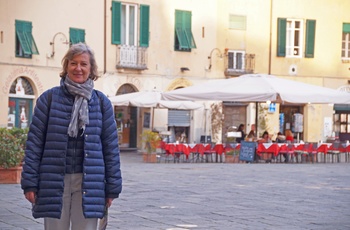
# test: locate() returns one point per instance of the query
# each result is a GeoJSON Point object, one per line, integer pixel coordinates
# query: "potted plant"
{"type": "Point", "coordinates": [232, 156]}
{"type": "Point", "coordinates": [12, 145]}
{"type": "Point", "coordinates": [151, 141]}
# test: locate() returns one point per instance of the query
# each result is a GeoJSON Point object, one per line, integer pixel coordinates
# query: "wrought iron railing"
{"type": "Point", "coordinates": [131, 57]}
{"type": "Point", "coordinates": [246, 66]}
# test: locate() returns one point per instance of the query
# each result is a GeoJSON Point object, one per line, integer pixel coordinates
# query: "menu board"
{"type": "Point", "coordinates": [247, 151]}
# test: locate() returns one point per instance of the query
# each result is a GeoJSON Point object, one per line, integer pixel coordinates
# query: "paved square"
{"type": "Point", "coordinates": [214, 196]}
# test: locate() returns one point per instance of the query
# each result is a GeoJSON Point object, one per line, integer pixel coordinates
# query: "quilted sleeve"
{"type": "Point", "coordinates": [35, 143]}
{"type": "Point", "coordinates": [111, 151]}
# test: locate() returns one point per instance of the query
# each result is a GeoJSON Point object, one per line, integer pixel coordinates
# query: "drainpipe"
{"type": "Point", "coordinates": [270, 39]}
{"type": "Point", "coordinates": [104, 36]}
{"type": "Point", "coordinates": [269, 68]}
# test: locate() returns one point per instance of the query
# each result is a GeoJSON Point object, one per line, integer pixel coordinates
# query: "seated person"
{"type": "Point", "coordinates": [289, 136]}
{"type": "Point", "coordinates": [280, 138]}
{"type": "Point", "coordinates": [250, 136]}
{"type": "Point", "coordinates": [265, 138]}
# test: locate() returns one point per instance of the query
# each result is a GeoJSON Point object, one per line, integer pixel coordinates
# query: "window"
{"type": "Point", "coordinates": [236, 60]}
{"type": "Point", "coordinates": [76, 35]}
{"type": "Point", "coordinates": [25, 44]}
{"type": "Point", "coordinates": [290, 38]}
{"type": "Point", "coordinates": [294, 38]}
{"type": "Point", "coordinates": [125, 22]}
{"type": "Point", "coordinates": [184, 40]}
{"type": "Point", "coordinates": [345, 47]}
{"type": "Point", "coordinates": [341, 120]}
{"type": "Point", "coordinates": [237, 22]}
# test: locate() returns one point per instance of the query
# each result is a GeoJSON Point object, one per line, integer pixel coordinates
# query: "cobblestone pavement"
{"type": "Point", "coordinates": [218, 196]}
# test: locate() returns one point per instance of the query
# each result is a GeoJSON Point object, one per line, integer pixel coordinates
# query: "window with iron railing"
{"type": "Point", "coordinates": [132, 57]}
{"type": "Point", "coordinates": [239, 62]}
{"type": "Point", "coordinates": [130, 31]}
{"type": "Point", "coordinates": [345, 47]}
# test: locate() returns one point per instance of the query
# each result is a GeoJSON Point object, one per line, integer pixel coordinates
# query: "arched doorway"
{"type": "Point", "coordinates": [126, 118]}
{"type": "Point", "coordinates": [20, 106]}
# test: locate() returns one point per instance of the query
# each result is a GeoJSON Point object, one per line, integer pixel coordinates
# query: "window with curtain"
{"type": "Point", "coordinates": [184, 40]}
{"type": "Point", "coordinates": [125, 18]}
{"type": "Point", "coordinates": [345, 47]}
{"type": "Point", "coordinates": [76, 35]}
{"type": "Point", "coordinates": [25, 44]}
{"type": "Point", "coordinates": [290, 38]}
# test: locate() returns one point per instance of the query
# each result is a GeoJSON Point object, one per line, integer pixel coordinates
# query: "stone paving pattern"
{"type": "Point", "coordinates": [215, 196]}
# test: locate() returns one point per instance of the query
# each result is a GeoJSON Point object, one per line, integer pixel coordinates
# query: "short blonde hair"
{"type": "Point", "coordinates": [77, 49]}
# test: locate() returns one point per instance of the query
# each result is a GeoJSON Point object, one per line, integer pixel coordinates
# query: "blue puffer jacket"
{"type": "Point", "coordinates": [44, 164]}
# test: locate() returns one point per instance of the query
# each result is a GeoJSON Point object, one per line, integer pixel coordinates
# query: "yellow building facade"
{"type": "Point", "coordinates": [146, 45]}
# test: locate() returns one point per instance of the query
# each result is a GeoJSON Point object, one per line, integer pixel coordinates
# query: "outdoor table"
{"type": "Point", "coordinates": [233, 146]}
{"type": "Point", "coordinates": [324, 147]}
{"type": "Point", "coordinates": [176, 150]}
{"type": "Point", "coordinates": [197, 151]}
{"type": "Point", "coordinates": [345, 148]}
{"type": "Point", "coordinates": [272, 148]}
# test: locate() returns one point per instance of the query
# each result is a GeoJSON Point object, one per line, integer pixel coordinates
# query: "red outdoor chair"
{"type": "Point", "coordinates": [313, 152]}
{"type": "Point", "coordinates": [303, 153]}
{"type": "Point", "coordinates": [288, 153]}
{"type": "Point", "coordinates": [334, 150]}
{"type": "Point", "coordinates": [209, 151]}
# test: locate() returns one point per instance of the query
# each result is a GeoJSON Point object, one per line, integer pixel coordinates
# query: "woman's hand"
{"type": "Point", "coordinates": [30, 196]}
{"type": "Point", "coordinates": [109, 202]}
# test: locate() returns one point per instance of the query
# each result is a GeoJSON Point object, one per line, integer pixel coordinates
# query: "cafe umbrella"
{"type": "Point", "coordinates": [259, 88]}
{"type": "Point", "coordinates": [152, 99]}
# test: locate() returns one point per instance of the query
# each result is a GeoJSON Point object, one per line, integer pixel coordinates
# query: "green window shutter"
{"type": "Point", "coordinates": [180, 30]}
{"type": "Point", "coordinates": [310, 38]}
{"type": "Point", "coordinates": [81, 35]}
{"type": "Point", "coordinates": [187, 22]}
{"type": "Point", "coordinates": [346, 27]}
{"type": "Point", "coordinates": [24, 43]}
{"type": "Point", "coordinates": [281, 37]}
{"type": "Point", "coordinates": [29, 36]}
{"type": "Point", "coordinates": [76, 35]}
{"type": "Point", "coordinates": [31, 42]}
{"type": "Point", "coordinates": [144, 25]}
{"type": "Point", "coordinates": [116, 22]}
{"type": "Point", "coordinates": [73, 36]}
{"type": "Point", "coordinates": [25, 37]}
{"type": "Point", "coordinates": [183, 30]}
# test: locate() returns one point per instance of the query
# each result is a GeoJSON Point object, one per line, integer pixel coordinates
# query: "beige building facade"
{"type": "Point", "coordinates": [163, 45]}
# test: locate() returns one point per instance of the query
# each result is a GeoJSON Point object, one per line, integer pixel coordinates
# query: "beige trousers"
{"type": "Point", "coordinates": [72, 210]}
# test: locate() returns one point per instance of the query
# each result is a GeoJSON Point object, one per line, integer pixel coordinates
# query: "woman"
{"type": "Point", "coordinates": [289, 136]}
{"type": "Point", "coordinates": [241, 130]}
{"type": "Point", "coordinates": [71, 170]}
{"type": "Point", "coordinates": [280, 138]}
{"type": "Point", "coordinates": [265, 138]}
{"type": "Point", "coordinates": [250, 136]}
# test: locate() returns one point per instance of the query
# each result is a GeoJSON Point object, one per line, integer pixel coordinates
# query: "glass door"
{"type": "Point", "coordinates": [19, 112]}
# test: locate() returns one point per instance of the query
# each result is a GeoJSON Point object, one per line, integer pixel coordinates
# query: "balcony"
{"type": "Point", "coordinates": [244, 65]}
{"type": "Point", "coordinates": [131, 57]}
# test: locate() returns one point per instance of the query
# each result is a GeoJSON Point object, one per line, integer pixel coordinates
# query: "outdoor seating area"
{"type": "Point", "coordinates": [336, 152]}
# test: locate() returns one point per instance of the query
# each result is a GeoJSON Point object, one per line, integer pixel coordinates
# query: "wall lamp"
{"type": "Point", "coordinates": [53, 43]}
{"type": "Point", "coordinates": [220, 55]}
{"type": "Point", "coordinates": [183, 69]}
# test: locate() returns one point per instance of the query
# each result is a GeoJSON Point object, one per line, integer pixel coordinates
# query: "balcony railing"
{"type": "Point", "coordinates": [246, 66]}
{"type": "Point", "coordinates": [131, 57]}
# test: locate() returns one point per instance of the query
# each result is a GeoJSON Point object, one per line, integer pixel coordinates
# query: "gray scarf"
{"type": "Point", "coordinates": [80, 111]}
